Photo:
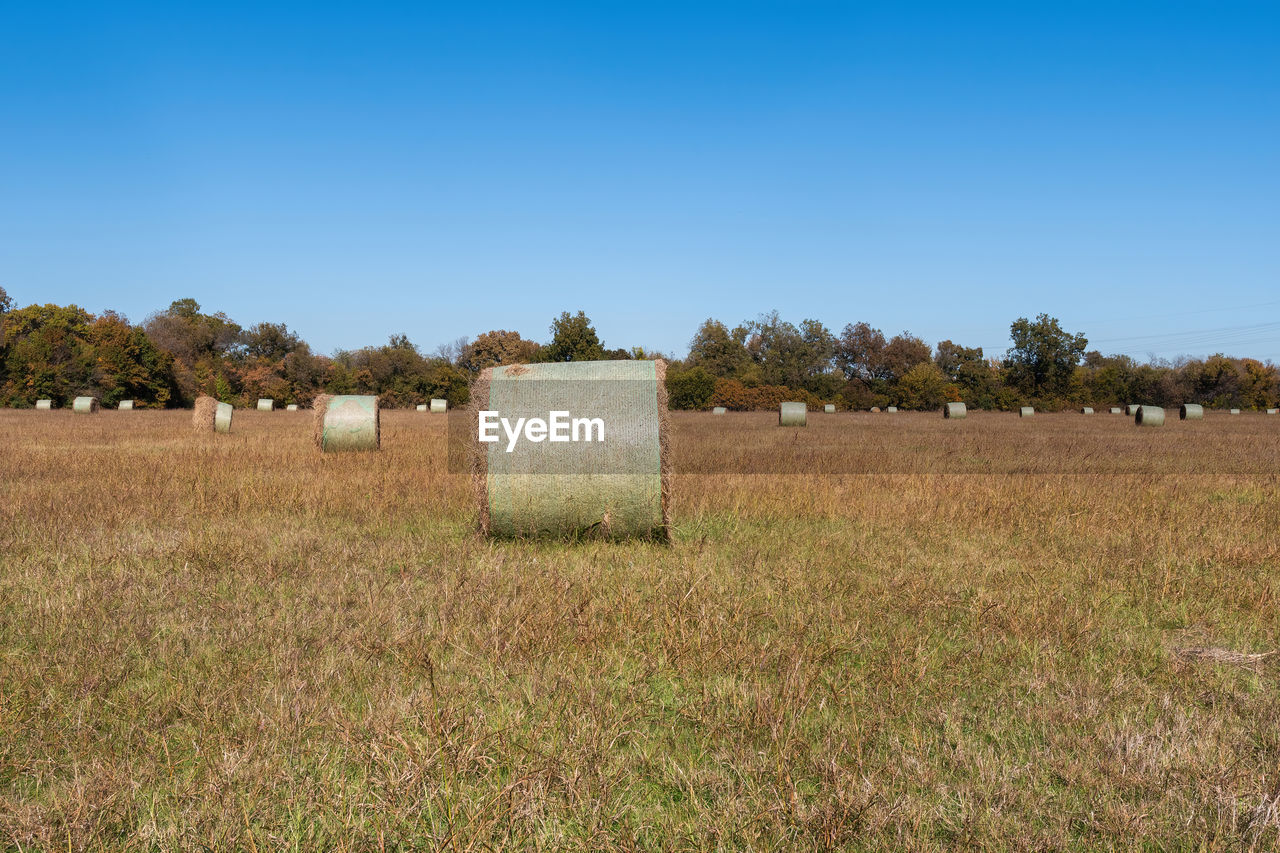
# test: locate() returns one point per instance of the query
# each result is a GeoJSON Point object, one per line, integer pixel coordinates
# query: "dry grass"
{"type": "Point", "coordinates": [247, 645]}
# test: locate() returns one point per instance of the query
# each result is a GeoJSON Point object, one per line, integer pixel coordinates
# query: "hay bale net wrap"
{"type": "Point", "coordinates": [1087, 410]}
{"type": "Point", "coordinates": [1149, 416]}
{"type": "Point", "coordinates": [954, 410]}
{"type": "Point", "coordinates": [1116, 410]}
{"type": "Point", "coordinates": [893, 410]}
{"type": "Point", "coordinates": [125, 406]}
{"type": "Point", "coordinates": [204, 415]}
{"type": "Point", "coordinates": [1190, 412]}
{"type": "Point", "coordinates": [421, 407]}
{"type": "Point", "coordinates": [792, 414]}
{"type": "Point", "coordinates": [439, 407]}
{"type": "Point", "coordinates": [348, 422]}
{"type": "Point", "coordinates": [85, 405]}
{"type": "Point", "coordinates": [222, 418]}
{"type": "Point", "coordinates": [719, 410]}
{"type": "Point", "coordinates": [1026, 412]}
{"type": "Point", "coordinates": [1131, 410]}
{"type": "Point", "coordinates": [614, 486]}
{"type": "Point", "coordinates": [829, 409]}
{"type": "Point", "coordinates": [44, 405]}
{"type": "Point", "coordinates": [266, 405]}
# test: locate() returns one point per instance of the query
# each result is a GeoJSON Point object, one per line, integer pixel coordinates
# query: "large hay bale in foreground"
{"type": "Point", "coordinates": [204, 413]}
{"type": "Point", "coordinates": [829, 408]}
{"type": "Point", "coordinates": [1149, 416]}
{"type": "Point", "coordinates": [85, 405]}
{"type": "Point", "coordinates": [954, 410]}
{"type": "Point", "coordinates": [1026, 411]}
{"type": "Point", "coordinates": [266, 404]}
{"type": "Point", "coordinates": [719, 410]}
{"type": "Point", "coordinates": [348, 422]}
{"type": "Point", "coordinates": [125, 406]}
{"type": "Point", "coordinates": [438, 406]}
{"type": "Point", "coordinates": [792, 414]}
{"type": "Point", "coordinates": [1087, 410]}
{"type": "Point", "coordinates": [44, 405]}
{"type": "Point", "coordinates": [607, 476]}
{"type": "Point", "coordinates": [1190, 412]}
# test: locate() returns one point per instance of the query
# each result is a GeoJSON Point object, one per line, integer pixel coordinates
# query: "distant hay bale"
{"type": "Point", "coordinates": [792, 414]}
{"type": "Point", "coordinates": [829, 408]}
{"type": "Point", "coordinates": [1087, 410]}
{"type": "Point", "coordinates": [204, 416]}
{"type": "Point", "coordinates": [292, 407]}
{"type": "Point", "coordinates": [1026, 411]}
{"type": "Point", "coordinates": [954, 410]}
{"type": "Point", "coordinates": [1235, 411]}
{"type": "Point", "coordinates": [438, 406]}
{"type": "Point", "coordinates": [718, 410]}
{"type": "Point", "coordinates": [421, 407]}
{"type": "Point", "coordinates": [1116, 410]}
{"type": "Point", "coordinates": [125, 406]}
{"type": "Point", "coordinates": [1149, 416]}
{"type": "Point", "coordinates": [1273, 411]}
{"type": "Point", "coordinates": [44, 405]}
{"type": "Point", "coordinates": [349, 422]}
{"type": "Point", "coordinates": [1131, 410]}
{"type": "Point", "coordinates": [85, 405]}
{"type": "Point", "coordinates": [266, 404]}
{"type": "Point", "coordinates": [608, 481]}
{"type": "Point", "coordinates": [893, 410]}
{"type": "Point", "coordinates": [875, 409]}
{"type": "Point", "coordinates": [1190, 412]}
{"type": "Point", "coordinates": [222, 419]}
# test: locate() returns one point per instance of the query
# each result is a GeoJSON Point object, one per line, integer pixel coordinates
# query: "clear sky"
{"type": "Point", "coordinates": [362, 169]}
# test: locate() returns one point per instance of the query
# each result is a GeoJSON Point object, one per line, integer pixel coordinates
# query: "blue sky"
{"type": "Point", "coordinates": [357, 170]}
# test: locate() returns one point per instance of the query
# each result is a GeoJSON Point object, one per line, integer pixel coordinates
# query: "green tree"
{"type": "Point", "coordinates": [924, 386]}
{"type": "Point", "coordinates": [719, 351]}
{"type": "Point", "coordinates": [573, 338]}
{"type": "Point", "coordinates": [1043, 356]}
{"type": "Point", "coordinates": [690, 388]}
{"type": "Point", "coordinates": [272, 341]}
{"type": "Point", "coordinates": [48, 353]}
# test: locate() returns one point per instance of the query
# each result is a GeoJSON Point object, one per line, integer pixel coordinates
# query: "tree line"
{"type": "Point", "coordinates": [174, 355]}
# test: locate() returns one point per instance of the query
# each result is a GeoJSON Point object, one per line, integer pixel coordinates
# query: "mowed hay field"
{"type": "Point", "coordinates": [235, 642]}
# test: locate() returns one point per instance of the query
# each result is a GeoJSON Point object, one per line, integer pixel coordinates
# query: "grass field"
{"type": "Point", "coordinates": [232, 642]}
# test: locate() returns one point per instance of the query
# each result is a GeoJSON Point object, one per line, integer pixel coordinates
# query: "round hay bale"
{"type": "Point", "coordinates": [349, 422]}
{"type": "Point", "coordinates": [125, 406]}
{"type": "Point", "coordinates": [1131, 410]}
{"type": "Point", "coordinates": [1026, 411]}
{"type": "Point", "coordinates": [44, 405]}
{"type": "Point", "coordinates": [204, 414]}
{"type": "Point", "coordinates": [1087, 410]}
{"type": "Point", "coordinates": [610, 480]}
{"type": "Point", "coordinates": [222, 418]}
{"type": "Point", "coordinates": [875, 409]}
{"type": "Point", "coordinates": [718, 410]}
{"type": "Point", "coordinates": [1149, 416]}
{"type": "Point", "coordinates": [1273, 411]}
{"type": "Point", "coordinates": [1190, 412]}
{"type": "Point", "coordinates": [1116, 410]}
{"type": "Point", "coordinates": [893, 410]}
{"type": "Point", "coordinates": [438, 406]}
{"type": "Point", "coordinates": [792, 414]}
{"type": "Point", "coordinates": [266, 404]}
{"type": "Point", "coordinates": [829, 409]}
{"type": "Point", "coordinates": [954, 410]}
{"type": "Point", "coordinates": [85, 405]}
{"type": "Point", "coordinates": [1235, 411]}
{"type": "Point", "coordinates": [421, 407]}
{"type": "Point", "coordinates": [292, 407]}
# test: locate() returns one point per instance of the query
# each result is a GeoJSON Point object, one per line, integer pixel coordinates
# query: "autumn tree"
{"type": "Point", "coordinates": [497, 347]}
{"type": "Point", "coordinates": [573, 338]}
{"type": "Point", "coordinates": [1043, 356]}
